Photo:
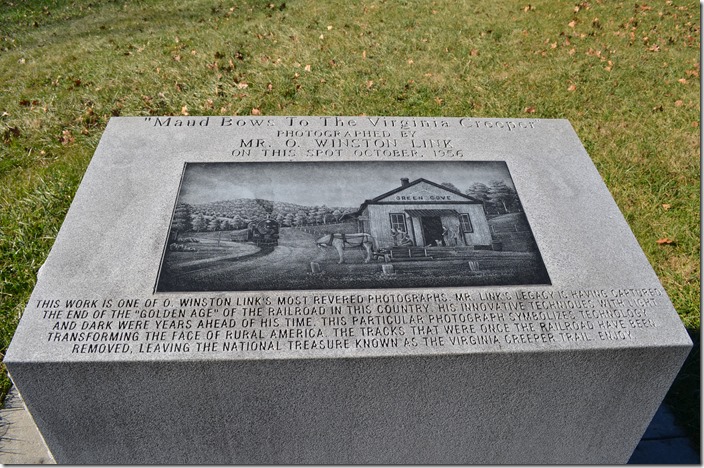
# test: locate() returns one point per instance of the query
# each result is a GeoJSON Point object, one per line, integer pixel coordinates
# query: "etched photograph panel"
{"type": "Point", "coordinates": [348, 225]}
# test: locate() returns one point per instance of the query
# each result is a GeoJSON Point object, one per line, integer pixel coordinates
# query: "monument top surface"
{"type": "Point", "coordinates": [320, 237]}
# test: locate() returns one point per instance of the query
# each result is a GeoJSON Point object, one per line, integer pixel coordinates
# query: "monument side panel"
{"type": "Point", "coordinates": [544, 408]}
{"type": "Point", "coordinates": [344, 289]}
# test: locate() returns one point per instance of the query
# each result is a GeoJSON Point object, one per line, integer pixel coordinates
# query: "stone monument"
{"type": "Point", "coordinates": [344, 290]}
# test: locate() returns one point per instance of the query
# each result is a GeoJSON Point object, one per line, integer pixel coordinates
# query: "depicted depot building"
{"type": "Point", "coordinates": [425, 214]}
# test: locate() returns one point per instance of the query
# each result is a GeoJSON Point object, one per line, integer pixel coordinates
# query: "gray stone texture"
{"type": "Point", "coordinates": [565, 400]}
{"type": "Point", "coordinates": [482, 408]}
{"type": "Point", "coordinates": [664, 442]}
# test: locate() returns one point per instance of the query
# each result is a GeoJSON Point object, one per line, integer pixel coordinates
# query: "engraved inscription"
{"type": "Point", "coordinates": [416, 322]}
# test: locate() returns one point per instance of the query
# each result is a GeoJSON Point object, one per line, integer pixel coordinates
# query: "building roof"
{"type": "Point", "coordinates": [376, 200]}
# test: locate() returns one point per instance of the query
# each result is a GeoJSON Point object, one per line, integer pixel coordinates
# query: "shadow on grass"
{"type": "Point", "coordinates": [684, 395]}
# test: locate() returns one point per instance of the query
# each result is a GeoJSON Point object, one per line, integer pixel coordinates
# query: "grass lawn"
{"type": "Point", "coordinates": [625, 74]}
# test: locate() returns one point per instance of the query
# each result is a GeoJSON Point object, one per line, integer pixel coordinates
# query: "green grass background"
{"type": "Point", "coordinates": [625, 74]}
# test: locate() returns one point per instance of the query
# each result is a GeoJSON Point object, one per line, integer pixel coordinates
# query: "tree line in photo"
{"type": "Point", "coordinates": [498, 197]}
{"type": "Point", "coordinates": [230, 215]}
{"type": "Point", "coordinates": [237, 214]}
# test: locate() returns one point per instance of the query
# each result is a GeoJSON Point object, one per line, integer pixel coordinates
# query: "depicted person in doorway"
{"type": "Point", "coordinates": [406, 241]}
{"type": "Point", "coordinates": [445, 236]}
{"type": "Point", "coordinates": [452, 237]}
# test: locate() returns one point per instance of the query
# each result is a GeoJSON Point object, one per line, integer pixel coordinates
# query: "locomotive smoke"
{"type": "Point", "coordinates": [267, 206]}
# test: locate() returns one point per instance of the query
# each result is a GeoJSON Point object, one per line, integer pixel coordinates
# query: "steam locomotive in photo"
{"type": "Point", "coordinates": [261, 233]}
{"type": "Point", "coordinates": [265, 232]}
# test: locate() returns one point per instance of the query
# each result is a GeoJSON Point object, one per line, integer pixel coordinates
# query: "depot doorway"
{"type": "Point", "coordinates": [432, 231]}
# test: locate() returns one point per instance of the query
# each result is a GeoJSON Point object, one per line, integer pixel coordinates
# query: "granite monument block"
{"type": "Point", "coordinates": [344, 290]}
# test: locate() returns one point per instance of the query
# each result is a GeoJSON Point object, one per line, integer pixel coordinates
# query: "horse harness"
{"type": "Point", "coordinates": [332, 237]}
{"type": "Point", "coordinates": [341, 235]}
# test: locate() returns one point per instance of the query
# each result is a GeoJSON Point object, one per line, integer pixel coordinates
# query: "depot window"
{"type": "Point", "coordinates": [398, 222]}
{"type": "Point", "coordinates": [466, 223]}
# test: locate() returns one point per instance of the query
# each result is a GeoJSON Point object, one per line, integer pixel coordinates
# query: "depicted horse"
{"type": "Point", "coordinates": [341, 241]}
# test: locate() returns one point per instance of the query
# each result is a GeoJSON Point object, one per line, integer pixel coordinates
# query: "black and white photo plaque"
{"type": "Point", "coordinates": [312, 289]}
